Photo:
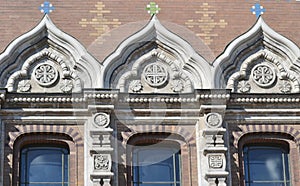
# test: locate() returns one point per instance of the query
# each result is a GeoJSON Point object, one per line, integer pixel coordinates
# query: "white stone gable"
{"type": "Point", "coordinates": [155, 60]}
{"type": "Point", "coordinates": [47, 60]}
{"type": "Point", "coordinates": [259, 61]}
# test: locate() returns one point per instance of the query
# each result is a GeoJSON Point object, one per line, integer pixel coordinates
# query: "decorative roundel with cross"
{"type": "Point", "coordinates": [45, 74]}
{"type": "Point", "coordinates": [155, 74]}
{"type": "Point", "coordinates": [263, 75]}
{"type": "Point", "coordinates": [101, 119]}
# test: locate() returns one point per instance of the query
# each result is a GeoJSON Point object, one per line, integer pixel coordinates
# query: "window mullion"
{"type": "Point", "coordinates": [174, 169]}
{"type": "Point", "coordinates": [283, 167]}
{"type": "Point", "coordinates": [62, 169]}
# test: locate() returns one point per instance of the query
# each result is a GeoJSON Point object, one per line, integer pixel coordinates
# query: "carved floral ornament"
{"type": "Point", "coordinates": [101, 162]}
{"type": "Point", "coordinates": [136, 86]}
{"type": "Point", "coordinates": [45, 74]}
{"type": "Point", "coordinates": [101, 120]}
{"type": "Point", "coordinates": [263, 75]}
{"type": "Point", "coordinates": [66, 85]}
{"type": "Point", "coordinates": [213, 120]}
{"type": "Point", "coordinates": [177, 85]}
{"type": "Point", "coordinates": [24, 86]}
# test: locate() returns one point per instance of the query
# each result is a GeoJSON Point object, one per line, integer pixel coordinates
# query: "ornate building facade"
{"type": "Point", "coordinates": [153, 110]}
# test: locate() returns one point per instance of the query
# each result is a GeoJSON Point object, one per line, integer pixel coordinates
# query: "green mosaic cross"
{"type": "Point", "coordinates": [152, 8]}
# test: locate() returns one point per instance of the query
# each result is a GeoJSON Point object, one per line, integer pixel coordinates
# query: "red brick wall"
{"type": "Point", "coordinates": [18, 17]}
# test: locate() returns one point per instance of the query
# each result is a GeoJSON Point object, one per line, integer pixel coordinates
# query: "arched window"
{"type": "Point", "coordinates": [156, 165]}
{"type": "Point", "coordinates": [266, 165]}
{"type": "Point", "coordinates": [44, 165]}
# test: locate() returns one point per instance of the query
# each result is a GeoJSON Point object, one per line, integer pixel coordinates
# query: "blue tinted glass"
{"type": "Point", "coordinates": [265, 164]}
{"type": "Point", "coordinates": [152, 165]}
{"type": "Point", "coordinates": [40, 165]}
{"type": "Point", "coordinates": [151, 184]}
{"type": "Point", "coordinates": [44, 184]}
{"type": "Point", "coordinates": [177, 166]}
{"type": "Point", "coordinates": [66, 166]}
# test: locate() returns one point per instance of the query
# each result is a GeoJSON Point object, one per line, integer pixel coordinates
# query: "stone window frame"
{"type": "Point", "coordinates": [59, 140]}
{"type": "Point", "coordinates": [271, 139]}
{"type": "Point", "coordinates": [165, 138]}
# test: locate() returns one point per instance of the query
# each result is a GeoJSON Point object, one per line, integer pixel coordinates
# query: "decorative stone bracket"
{"type": "Point", "coordinates": [100, 151]}
{"type": "Point", "coordinates": [215, 150]}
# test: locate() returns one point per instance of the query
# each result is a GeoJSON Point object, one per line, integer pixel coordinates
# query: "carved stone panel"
{"type": "Point", "coordinates": [215, 161]}
{"type": "Point", "coordinates": [102, 162]}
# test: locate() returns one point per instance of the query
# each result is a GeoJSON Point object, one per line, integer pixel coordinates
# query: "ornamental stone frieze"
{"type": "Point", "coordinates": [44, 71]}
{"type": "Point", "coordinates": [155, 71]}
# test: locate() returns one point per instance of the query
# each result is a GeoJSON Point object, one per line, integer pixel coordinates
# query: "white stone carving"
{"type": "Point", "coordinates": [177, 85]}
{"type": "Point", "coordinates": [244, 86]}
{"type": "Point", "coordinates": [215, 161]}
{"type": "Point", "coordinates": [155, 75]}
{"type": "Point", "coordinates": [136, 86]}
{"type": "Point", "coordinates": [66, 85]}
{"type": "Point", "coordinates": [285, 87]}
{"type": "Point", "coordinates": [101, 162]}
{"type": "Point", "coordinates": [24, 86]}
{"type": "Point", "coordinates": [101, 120]}
{"type": "Point", "coordinates": [196, 68]}
{"type": "Point", "coordinates": [213, 120]}
{"type": "Point", "coordinates": [263, 75]}
{"type": "Point", "coordinates": [260, 43]}
{"type": "Point", "coordinates": [45, 74]}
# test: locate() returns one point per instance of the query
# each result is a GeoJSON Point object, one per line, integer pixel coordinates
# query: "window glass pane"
{"type": "Point", "coordinates": [44, 162]}
{"type": "Point", "coordinates": [266, 166]}
{"type": "Point", "coordinates": [44, 165]}
{"type": "Point", "coordinates": [156, 184]}
{"type": "Point", "coordinates": [66, 166]}
{"type": "Point", "coordinates": [156, 166]}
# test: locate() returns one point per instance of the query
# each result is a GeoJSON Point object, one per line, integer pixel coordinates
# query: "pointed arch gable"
{"type": "Point", "coordinates": [46, 36]}
{"type": "Point", "coordinates": [276, 50]}
{"type": "Point", "coordinates": [155, 38]}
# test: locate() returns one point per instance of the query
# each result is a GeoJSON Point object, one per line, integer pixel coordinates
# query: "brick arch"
{"type": "Point", "coordinates": [186, 135]}
{"type": "Point", "coordinates": [44, 134]}
{"type": "Point", "coordinates": [47, 129]}
{"type": "Point", "coordinates": [248, 129]}
{"type": "Point", "coordinates": [147, 134]}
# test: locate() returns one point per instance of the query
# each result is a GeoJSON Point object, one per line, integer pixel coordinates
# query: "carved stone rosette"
{"type": "Point", "coordinates": [100, 164]}
{"type": "Point", "coordinates": [215, 149]}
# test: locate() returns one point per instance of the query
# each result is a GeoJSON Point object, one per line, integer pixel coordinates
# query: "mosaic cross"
{"type": "Point", "coordinates": [46, 8]}
{"type": "Point", "coordinates": [152, 8]}
{"type": "Point", "coordinates": [258, 10]}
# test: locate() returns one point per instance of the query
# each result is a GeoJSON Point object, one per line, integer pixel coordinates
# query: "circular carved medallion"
{"type": "Point", "coordinates": [45, 74]}
{"type": "Point", "coordinates": [177, 85]}
{"type": "Point", "coordinates": [66, 85]}
{"type": "Point", "coordinates": [213, 120]}
{"type": "Point", "coordinates": [101, 120]}
{"type": "Point", "coordinates": [155, 75]}
{"type": "Point", "coordinates": [136, 86]}
{"type": "Point", "coordinates": [24, 86]}
{"type": "Point", "coordinates": [263, 75]}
